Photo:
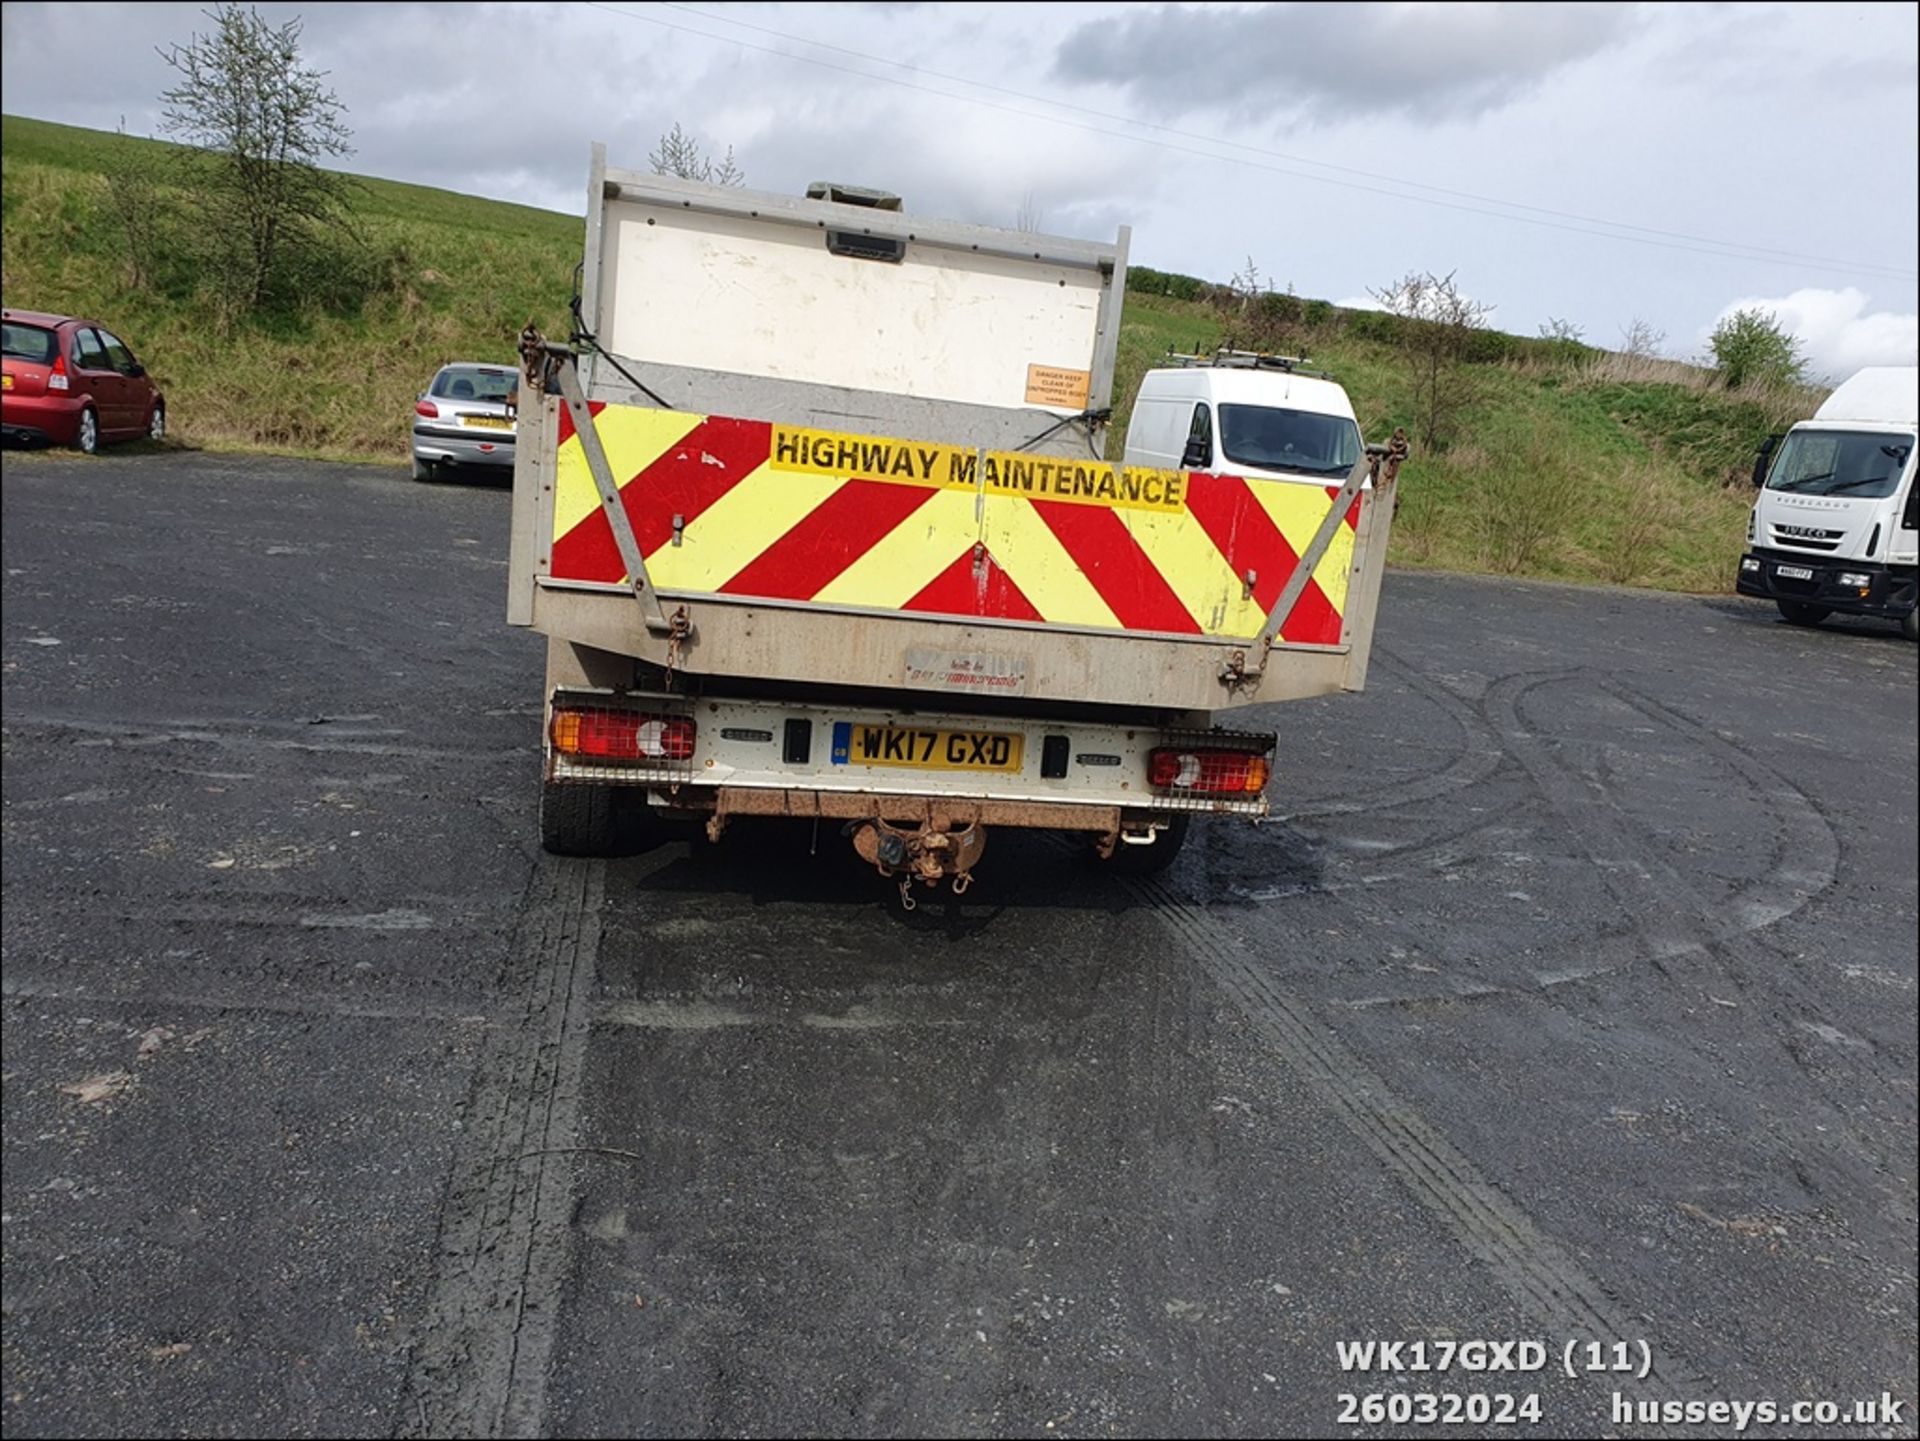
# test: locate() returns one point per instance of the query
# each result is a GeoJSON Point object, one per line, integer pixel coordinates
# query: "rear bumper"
{"type": "Point", "coordinates": [449, 447]}
{"type": "Point", "coordinates": [765, 757]}
{"type": "Point", "coordinates": [1773, 575]}
{"type": "Point", "coordinates": [41, 419]}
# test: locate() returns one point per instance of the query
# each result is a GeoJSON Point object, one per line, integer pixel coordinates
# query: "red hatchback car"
{"type": "Point", "coordinates": [73, 382]}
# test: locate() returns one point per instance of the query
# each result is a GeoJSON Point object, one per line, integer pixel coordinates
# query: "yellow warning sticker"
{"type": "Point", "coordinates": [1085, 482]}
{"type": "Point", "coordinates": [951, 467]}
{"type": "Point", "coordinates": [1057, 387]}
{"type": "Point", "coordinates": [870, 457]}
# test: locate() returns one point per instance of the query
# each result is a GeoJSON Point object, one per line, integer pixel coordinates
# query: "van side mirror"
{"type": "Point", "coordinates": [1760, 461]}
{"type": "Point", "coordinates": [1197, 455]}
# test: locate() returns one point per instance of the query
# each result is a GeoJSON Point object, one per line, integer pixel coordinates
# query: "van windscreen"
{"type": "Point", "coordinates": [1266, 437]}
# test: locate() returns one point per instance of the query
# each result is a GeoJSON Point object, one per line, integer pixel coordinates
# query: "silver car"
{"type": "Point", "coordinates": [466, 417]}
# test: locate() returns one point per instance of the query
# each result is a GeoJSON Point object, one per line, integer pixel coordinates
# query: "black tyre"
{"type": "Point", "coordinates": [1148, 860]}
{"type": "Point", "coordinates": [86, 439]}
{"type": "Point", "coordinates": [1910, 625]}
{"type": "Point", "coordinates": [1799, 613]}
{"type": "Point", "coordinates": [423, 470]}
{"type": "Point", "coordinates": [576, 820]}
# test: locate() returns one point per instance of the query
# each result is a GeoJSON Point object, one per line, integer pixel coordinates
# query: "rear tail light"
{"type": "Point", "coordinates": [621, 735]}
{"type": "Point", "coordinates": [1207, 772]}
{"type": "Point", "coordinates": [57, 376]}
{"type": "Point", "coordinates": [427, 409]}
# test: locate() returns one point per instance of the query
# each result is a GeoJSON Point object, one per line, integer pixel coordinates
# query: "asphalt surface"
{"type": "Point", "coordinates": [1570, 997]}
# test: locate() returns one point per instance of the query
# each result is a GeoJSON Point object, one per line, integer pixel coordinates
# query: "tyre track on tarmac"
{"type": "Point", "coordinates": [1679, 922]}
{"type": "Point", "coordinates": [1542, 1276]}
{"type": "Point", "coordinates": [480, 1361]}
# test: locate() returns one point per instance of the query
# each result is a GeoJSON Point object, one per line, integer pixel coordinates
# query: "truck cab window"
{"type": "Point", "coordinates": [1864, 465]}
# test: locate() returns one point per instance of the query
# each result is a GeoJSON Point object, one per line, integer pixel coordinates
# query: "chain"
{"type": "Point", "coordinates": [680, 626]}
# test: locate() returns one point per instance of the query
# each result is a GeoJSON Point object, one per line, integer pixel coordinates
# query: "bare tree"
{"type": "Point", "coordinates": [1028, 217]}
{"type": "Point", "coordinates": [1436, 330]}
{"type": "Point", "coordinates": [1639, 340]}
{"type": "Point", "coordinates": [261, 121]}
{"type": "Point", "coordinates": [136, 205]}
{"type": "Point", "coordinates": [680, 154]}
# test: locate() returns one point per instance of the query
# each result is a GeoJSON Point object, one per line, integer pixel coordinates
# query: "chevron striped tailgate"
{"type": "Point", "coordinates": [752, 510]}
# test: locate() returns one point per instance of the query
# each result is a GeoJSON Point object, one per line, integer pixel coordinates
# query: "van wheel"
{"type": "Point", "coordinates": [1150, 860]}
{"type": "Point", "coordinates": [576, 820]}
{"type": "Point", "coordinates": [1798, 613]}
{"type": "Point", "coordinates": [1910, 624]}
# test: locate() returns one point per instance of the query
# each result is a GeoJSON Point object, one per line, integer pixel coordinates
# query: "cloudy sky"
{"type": "Point", "coordinates": [1592, 163]}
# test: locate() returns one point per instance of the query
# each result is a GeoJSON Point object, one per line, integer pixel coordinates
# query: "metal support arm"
{"type": "Point", "coordinates": [616, 511]}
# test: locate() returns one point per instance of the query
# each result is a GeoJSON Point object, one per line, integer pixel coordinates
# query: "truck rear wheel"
{"type": "Point", "coordinates": [1799, 613]}
{"type": "Point", "coordinates": [576, 820]}
{"type": "Point", "coordinates": [1910, 625]}
{"type": "Point", "coordinates": [1149, 860]}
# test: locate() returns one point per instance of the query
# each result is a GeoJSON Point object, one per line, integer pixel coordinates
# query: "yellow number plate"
{"type": "Point", "coordinates": [927, 750]}
{"type": "Point", "coordinates": [487, 422]}
{"type": "Point", "coordinates": [6, 382]}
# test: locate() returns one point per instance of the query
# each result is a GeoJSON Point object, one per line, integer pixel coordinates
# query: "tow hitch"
{"type": "Point", "coordinates": [934, 852]}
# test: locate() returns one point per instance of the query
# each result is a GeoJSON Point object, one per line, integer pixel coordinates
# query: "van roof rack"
{"type": "Point", "coordinates": [1224, 359]}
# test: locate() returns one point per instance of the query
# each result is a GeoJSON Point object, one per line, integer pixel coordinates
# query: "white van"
{"type": "Point", "coordinates": [1246, 414]}
{"type": "Point", "coordinates": [1835, 527]}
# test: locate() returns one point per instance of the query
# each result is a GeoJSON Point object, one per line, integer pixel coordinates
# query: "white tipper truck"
{"type": "Point", "coordinates": [812, 510]}
{"type": "Point", "coordinates": [1835, 529]}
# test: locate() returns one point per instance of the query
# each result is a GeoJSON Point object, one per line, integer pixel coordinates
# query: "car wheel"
{"type": "Point", "coordinates": [86, 439]}
{"type": "Point", "coordinates": [1799, 613]}
{"type": "Point", "coordinates": [422, 469]}
{"type": "Point", "coordinates": [157, 423]}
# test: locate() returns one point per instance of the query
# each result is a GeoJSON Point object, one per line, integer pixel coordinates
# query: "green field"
{"type": "Point", "coordinates": [1578, 468]}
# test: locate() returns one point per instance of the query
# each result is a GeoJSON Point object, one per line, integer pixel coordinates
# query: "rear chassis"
{"type": "Point", "coordinates": [783, 752]}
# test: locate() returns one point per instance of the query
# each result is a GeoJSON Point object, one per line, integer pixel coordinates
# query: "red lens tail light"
{"type": "Point", "coordinates": [427, 409]}
{"type": "Point", "coordinates": [1200, 772]}
{"type": "Point", "coordinates": [621, 735]}
{"type": "Point", "coordinates": [57, 373]}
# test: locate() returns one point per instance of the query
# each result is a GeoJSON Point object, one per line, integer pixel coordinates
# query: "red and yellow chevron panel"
{"type": "Point", "coordinates": [748, 509]}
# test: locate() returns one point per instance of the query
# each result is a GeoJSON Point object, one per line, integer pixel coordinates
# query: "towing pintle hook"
{"type": "Point", "coordinates": [936, 851]}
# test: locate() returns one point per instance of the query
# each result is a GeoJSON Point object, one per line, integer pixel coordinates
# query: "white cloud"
{"type": "Point", "coordinates": [1836, 331]}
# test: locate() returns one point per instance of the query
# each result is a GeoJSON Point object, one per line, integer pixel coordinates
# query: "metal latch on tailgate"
{"type": "Point", "coordinates": [547, 363]}
{"type": "Point", "coordinates": [1381, 465]}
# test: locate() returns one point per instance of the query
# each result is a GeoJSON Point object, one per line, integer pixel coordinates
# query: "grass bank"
{"type": "Point", "coordinates": [1582, 467]}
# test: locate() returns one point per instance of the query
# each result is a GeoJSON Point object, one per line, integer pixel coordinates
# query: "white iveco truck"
{"type": "Point", "coordinates": [813, 511]}
{"type": "Point", "coordinates": [1834, 529]}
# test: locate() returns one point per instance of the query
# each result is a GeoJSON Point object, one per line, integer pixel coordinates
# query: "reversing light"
{"type": "Point", "coordinates": [620, 735]}
{"type": "Point", "coordinates": [57, 376]}
{"type": "Point", "coordinates": [1207, 772]}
